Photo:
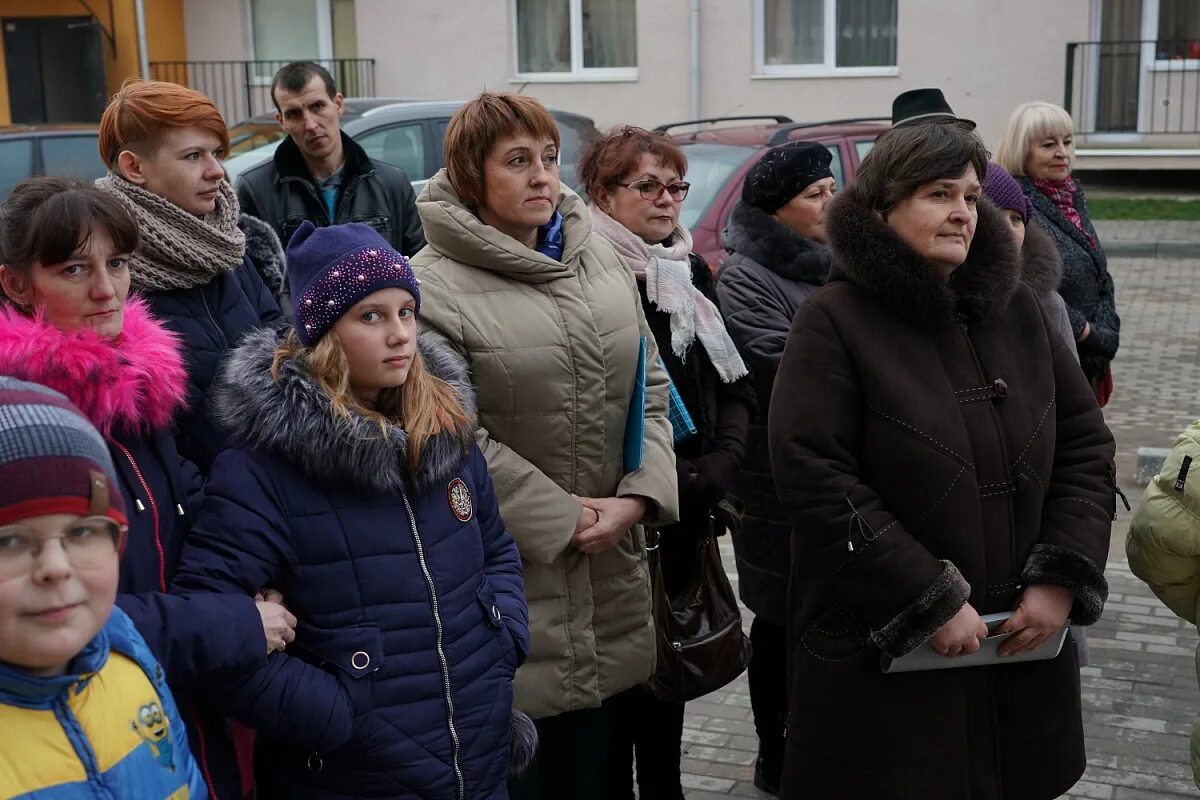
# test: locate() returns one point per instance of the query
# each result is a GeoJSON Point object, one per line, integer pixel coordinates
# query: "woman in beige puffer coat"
{"type": "Point", "coordinates": [1163, 545]}
{"type": "Point", "coordinates": [550, 320]}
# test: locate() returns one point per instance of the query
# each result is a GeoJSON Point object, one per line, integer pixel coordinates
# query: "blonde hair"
{"type": "Point", "coordinates": [425, 406]}
{"type": "Point", "coordinates": [1030, 121]}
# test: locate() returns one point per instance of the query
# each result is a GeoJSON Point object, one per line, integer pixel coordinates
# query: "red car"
{"type": "Point", "coordinates": [719, 158]}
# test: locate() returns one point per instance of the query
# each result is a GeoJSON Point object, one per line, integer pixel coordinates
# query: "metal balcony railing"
{"type": "Point", "coordinates": [242, 89]}
{"type": "Point", "coordinates": [1145, 87]}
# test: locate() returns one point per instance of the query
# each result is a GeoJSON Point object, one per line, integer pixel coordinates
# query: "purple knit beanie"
{"type": "Point", "coordinates": [332, 268]}
{"type": "Point", "coordinates": [1005, 193]}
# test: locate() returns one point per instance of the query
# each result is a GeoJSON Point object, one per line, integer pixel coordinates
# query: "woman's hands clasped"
{"type": "Point", "coordinates": [614, 517]}
{"type": "Point", "coordinates": [279, 624]}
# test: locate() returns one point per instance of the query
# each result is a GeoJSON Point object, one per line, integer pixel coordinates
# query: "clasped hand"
{"type": "Point", "coordinates": [1041, 611]}
{"type": "Point", "coordinates": [279, 624]}
{"type": "Point", "coordinates": [604, 520]}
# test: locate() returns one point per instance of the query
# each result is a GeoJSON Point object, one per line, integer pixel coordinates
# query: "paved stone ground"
{"type": "Point", "coordinates": [1140, 694]}
{"type": "Point", "coordinates": [1113, 230]}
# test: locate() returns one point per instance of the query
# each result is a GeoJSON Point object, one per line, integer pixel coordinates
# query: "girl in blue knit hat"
{"type": "Point", "coordinates": [84, 706]}
{"type": "Point", "coordinates": [356, 489]}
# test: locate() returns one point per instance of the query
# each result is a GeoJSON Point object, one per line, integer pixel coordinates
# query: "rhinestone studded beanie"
{"type": "Point", "coordinates": [332, 268]}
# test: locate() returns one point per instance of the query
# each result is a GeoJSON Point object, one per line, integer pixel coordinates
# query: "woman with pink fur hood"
{"type": "Point", "coordinates": [67, 322]}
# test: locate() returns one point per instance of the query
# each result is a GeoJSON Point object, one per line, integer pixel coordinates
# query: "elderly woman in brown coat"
{"type": "Point", "coordinates": [941, 457]}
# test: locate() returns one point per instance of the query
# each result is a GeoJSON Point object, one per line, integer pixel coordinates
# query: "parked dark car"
{"type": "Point", "coordinates": [68, 150]}
{"type": "Point", "coordinates": [720, 157]}
{"type": "Point", "coordinates": [409, 134]}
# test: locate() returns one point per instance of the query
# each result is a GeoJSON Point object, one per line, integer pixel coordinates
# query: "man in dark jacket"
{"type": "Point", "coordinates": [320, 174]}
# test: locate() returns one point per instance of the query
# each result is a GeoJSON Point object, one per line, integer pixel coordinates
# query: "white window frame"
{"type": "Point", "coordinates": [324, 13]}
{"type": "Point", "coordinates": [579, 73]}
{"type": "Point", "coordinates": [1150, 10]}
{"type": "Point", "coordinates": [829, 68]}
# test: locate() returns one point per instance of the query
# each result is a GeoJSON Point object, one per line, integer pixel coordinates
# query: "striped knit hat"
{"type": "Point", "coordinates": [52, 461]}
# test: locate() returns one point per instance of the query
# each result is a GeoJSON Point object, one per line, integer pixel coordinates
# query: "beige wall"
{"type": "Point", "coordinates": [987, 56]}
{"type": "Point", "coordinates": [216, 30]}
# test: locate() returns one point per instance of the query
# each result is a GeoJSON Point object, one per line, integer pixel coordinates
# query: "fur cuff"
{"type": "Point", "coordinates": [523, 743]}
{"type": "Point", "coordinates": [913, 626]}
{"type": "Point", "coordinates": [1066, 568]}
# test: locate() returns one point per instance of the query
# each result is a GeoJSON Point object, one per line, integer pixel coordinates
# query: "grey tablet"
{"type": "Point", "coordinates": [926, 658]}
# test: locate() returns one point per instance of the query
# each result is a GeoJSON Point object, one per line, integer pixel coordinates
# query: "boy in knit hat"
{"type": "Point", "coordinates": [79, 683]}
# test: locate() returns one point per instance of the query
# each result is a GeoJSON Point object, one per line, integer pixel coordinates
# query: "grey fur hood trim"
{"type": "Point", "coordinates": [916, 624]}
{"type": "Point", "coordinates": [755, 234]}
{"type": "Point", "coordinates": [1041, 266]}
{"type": "Point", "coordinates": [868, 254]}
{"type": "Point", "coordinates": [265, 251]}
{"type": "Point", "coordinates": [293, 419]}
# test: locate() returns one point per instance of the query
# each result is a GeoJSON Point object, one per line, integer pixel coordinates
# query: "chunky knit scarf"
{"type": "Point", "coordinates": [178, 250]}
{"type": "Point", "coordinates": [667, 274]}
{"type": "Point", "coordinates": [1063, 196]}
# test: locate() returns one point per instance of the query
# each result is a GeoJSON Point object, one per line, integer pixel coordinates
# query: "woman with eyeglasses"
{"type": "Point", "coordinates": [67, 321]}
{"type": "Point", "coordinates": [634, 179]}
{"type": "Point", "coordinates": [547, 315]}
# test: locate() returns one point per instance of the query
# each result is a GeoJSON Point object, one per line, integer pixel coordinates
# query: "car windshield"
{"type": "Point", "coordinates": [709, 168]}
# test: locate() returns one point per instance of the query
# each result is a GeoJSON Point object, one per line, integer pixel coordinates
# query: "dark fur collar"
{"type": "Point", "coordinates": [293, 419]}
{"type": "Point", "coordinates": [867, 254]}
{"type": "Point", "coordinates": [1041, 266]}
{"type": "Point", "coordinates": [756, 234]}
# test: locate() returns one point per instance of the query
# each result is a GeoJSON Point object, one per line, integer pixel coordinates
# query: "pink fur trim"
{"type": "Point", "coordinates": [136, 382]}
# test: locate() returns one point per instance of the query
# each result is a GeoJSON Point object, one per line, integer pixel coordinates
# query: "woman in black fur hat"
{"type": "Point", "coordinates": [940, 457]}
{"type": "Point", "coordinates": [776, 234]}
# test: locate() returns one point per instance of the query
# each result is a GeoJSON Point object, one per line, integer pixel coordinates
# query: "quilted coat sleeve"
{"type": "Point", "coordinates": [197, 636]}
{"type": "Point", "coordinates": [239, 545]}
{"type": "Point", "coordinates": [502, 560]}
{"type": "Point", "coordinates": [1163, 544]}
{"type": "Point", "coordinates": [890, 581]}
{"type": "Point", "coordinates": [1080, 496]}
{"type": "Point", "coordinates": [656, 480]}
{"type": "Point", "coordinates": [757, 321]}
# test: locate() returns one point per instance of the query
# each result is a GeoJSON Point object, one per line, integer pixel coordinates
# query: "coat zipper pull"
{"type": "Point", "coordinates": [138, 504]}
{"type": "Point", "coordinates": [1124, 499]}
{"type": "Point", "coordinates": [179, 509]}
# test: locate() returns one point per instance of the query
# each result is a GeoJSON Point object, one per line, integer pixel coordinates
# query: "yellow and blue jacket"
{"type": "Point", "coordinates": [109, 728]}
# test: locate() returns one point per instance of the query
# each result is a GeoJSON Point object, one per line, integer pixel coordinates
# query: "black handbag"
{"type": "Point", "coordinates": [698, 634]}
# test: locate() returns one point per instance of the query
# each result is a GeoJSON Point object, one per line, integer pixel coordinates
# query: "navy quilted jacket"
{"type": "Point", "coordinates": [407, 588]}
{"type": "Point", "coordinates": [211, 320]}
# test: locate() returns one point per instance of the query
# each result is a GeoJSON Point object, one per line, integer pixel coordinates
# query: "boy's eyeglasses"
{"type": "Point", "coordinates": [87, 543]}
{"type": "Point", "coordinates": [651, 189]}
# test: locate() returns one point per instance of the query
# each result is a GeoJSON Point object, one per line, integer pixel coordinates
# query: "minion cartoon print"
{"type": "Point", "coordinates": [152, 725]}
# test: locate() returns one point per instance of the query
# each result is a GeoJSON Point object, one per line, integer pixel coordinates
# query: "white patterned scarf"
{"type": "Point", "coordinates": [667, 273]}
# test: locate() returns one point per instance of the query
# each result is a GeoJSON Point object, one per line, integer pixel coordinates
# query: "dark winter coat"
{"type": "Point", "coordinates": [1041, 270]}
{"type": "Point", "coordinates": [282, 193]}
{"type": "Point", "coordinates": [131, 389]}
{"type": "Point", "coordinates": [708, 461]}
{"type": "Point", "coordinates": [211, 320]}
{"type": "Point", "coordinates": [1086, 285]}
{"type": "Point", "coordinates": [771, 271]}
{"type": "Point", "coordinates": [407, 588]}
{"type": "Point", "coordinates": [933, 445]}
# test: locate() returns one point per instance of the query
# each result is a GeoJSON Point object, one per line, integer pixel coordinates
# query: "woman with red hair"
{"type": "Point", "coordinates": [163, 145]}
